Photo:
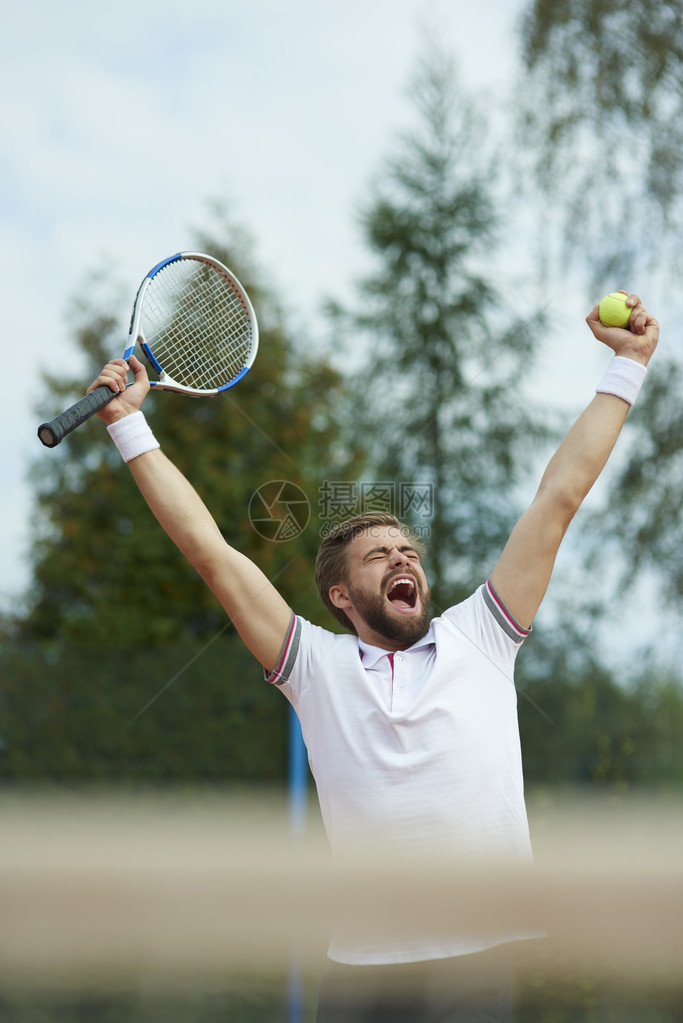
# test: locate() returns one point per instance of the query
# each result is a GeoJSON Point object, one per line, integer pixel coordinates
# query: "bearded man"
{"type": "Point", "coordinates": [410, 722]}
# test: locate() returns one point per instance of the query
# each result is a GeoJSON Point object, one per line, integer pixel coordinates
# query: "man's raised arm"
{"type": "Point", "coordinates": [258, 612]}
{"type": "Point", "coordinates": [523, 572]}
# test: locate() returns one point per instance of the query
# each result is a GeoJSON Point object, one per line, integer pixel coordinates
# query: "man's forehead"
{"type": "Point", "coordinates": [379, 536]}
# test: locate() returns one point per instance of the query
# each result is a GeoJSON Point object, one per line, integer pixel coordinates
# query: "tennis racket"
{"type": "Point", "coordinates": [196, 326]}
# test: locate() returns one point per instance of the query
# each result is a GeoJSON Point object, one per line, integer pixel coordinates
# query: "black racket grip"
{"type": "Point", "coordinates": [51, 433]}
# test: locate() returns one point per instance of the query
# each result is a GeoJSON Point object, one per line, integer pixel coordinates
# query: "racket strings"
{"type": "Point", "coordinates": [197, 326]}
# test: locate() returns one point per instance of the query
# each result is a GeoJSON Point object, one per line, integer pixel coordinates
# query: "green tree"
{"type": "Point", "coordinates": [443, 353]}
{"type": "Point", "coordinates": [631, 542]}
{"type": "Point", "coordinates": [584, 724]}
{"type": "Point", "coordinates": [117, 622]}
{"type": "Point", "coordinates": [600, 118]}
{"type": "Point", "coordinates": [648, 490]}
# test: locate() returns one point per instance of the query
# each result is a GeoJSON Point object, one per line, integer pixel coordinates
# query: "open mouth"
{"type": "Point", "coordinates": [402, 593]}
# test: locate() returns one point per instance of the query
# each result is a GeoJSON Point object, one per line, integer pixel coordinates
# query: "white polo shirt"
{"type": "Point", "coordinates": [419, 748]}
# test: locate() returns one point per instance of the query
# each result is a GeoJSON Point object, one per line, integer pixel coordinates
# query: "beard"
{"type": "Point", "coordinates": [373, 610]}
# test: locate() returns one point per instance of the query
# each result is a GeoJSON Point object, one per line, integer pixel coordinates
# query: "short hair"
{"type": "Point", "coordinates": [332, 562]}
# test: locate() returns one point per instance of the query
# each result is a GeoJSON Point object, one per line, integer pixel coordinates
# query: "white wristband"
{"type": "Point", "coordinates": [623, 377]}
{"type": "Point", "coordinates": [132, 436]}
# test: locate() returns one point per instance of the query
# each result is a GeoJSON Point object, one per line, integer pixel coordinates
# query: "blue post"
{"type": "Point", "coordinates": [298, 776]}
{"type": "Point", "coordinates": [298, 789]}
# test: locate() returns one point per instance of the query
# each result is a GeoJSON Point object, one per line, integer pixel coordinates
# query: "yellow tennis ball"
{"type": "Point", "coordinates": [613, 310]}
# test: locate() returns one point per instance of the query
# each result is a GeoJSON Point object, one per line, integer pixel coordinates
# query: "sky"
{"type": "Point", "coordinates": [119, 123]}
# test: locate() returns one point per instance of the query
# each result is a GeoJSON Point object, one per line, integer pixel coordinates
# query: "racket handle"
{"type": "Point", "coordinates": [55, 430]}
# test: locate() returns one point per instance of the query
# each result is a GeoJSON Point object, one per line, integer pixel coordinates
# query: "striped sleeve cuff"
{"type": "Point", "coordinates": [510, 627]}
{"type": "Point", "coordinates": [290, 648]}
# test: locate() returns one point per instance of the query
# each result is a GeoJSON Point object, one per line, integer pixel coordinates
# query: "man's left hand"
{"type": "Point", "coordinates": [637, 341]}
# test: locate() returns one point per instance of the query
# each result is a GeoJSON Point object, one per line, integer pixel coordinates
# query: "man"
{"type": "Point", "coordinates": [410, 724]}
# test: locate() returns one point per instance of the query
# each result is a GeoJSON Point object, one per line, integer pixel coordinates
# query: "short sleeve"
{"type": "Point", "coordinates": [486, 622]}
{"type": "Point", "coordinates": [288, 654]}
{"type": "Point", "coordinates": [510, 626]}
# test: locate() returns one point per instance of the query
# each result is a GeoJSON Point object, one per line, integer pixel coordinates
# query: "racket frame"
{"type": "Point", "coordinates": [52, 432]}
{"type": "Point", "coordinates": [136, 336]}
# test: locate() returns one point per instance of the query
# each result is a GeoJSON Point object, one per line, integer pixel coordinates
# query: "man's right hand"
{"type": "Point", "coordinates": [115, 376]}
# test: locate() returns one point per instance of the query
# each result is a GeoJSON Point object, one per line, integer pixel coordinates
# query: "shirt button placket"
{"type": "Point", "coordinates": [399, 684]}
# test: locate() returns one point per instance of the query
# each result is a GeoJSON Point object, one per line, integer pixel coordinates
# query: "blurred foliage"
{"type": "Point", "coordinates": [589, 998]}
{"type": "Point", "coordinates": [122, 666]}
{"type": "Point", "coordinates": [600, 118]}
{"type": "Point", "coordinates": [539, 998]}
{"type": "Point", "coordinates": [150, 715]}
{"type": "Point", "coordinates": [583, 725]}
{"type": "Point", "coordinates": [442, 352]}
{"type": "Point", "coordinates": [238, 1001]}
{"type": "Point", "coordinates": [95, 544]}
{"type": "Point", "coordinates": [648, 491]}
{"type": "Point", "coordinates": [116, 618]}
{"type": "Point", "coordinates": [600, 139]}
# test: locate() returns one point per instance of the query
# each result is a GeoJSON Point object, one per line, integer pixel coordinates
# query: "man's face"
{"type": "Point", "coordinates": [386, 591]}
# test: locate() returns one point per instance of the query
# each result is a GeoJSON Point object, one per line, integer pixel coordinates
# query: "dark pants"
{"type": "Point", "coordinates": [465, 989]}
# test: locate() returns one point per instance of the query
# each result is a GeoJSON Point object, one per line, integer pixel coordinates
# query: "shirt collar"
{"type": "Point", "coordinates": [370, 655]}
